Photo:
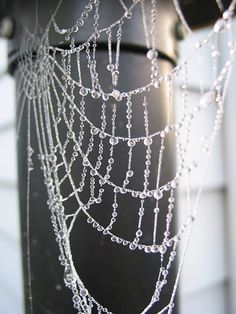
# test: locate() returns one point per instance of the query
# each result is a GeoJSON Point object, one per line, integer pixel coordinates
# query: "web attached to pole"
{"type": "Point", "coordinates": [59, 93]}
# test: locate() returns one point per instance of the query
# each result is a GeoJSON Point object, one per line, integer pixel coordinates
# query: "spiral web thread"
{"type": "Point", "coordinates": [56, 95]}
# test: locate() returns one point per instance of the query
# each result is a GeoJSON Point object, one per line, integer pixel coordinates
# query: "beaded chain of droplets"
{"type": "Point", "coordinates": [45, 78]}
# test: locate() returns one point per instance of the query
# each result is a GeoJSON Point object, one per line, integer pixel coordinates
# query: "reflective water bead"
{"type": "Point", "coordinates": [117, 189]}
{"type": "Point", "coordinates": [70, 134]}
{"type": "Point", "coordinates": [80, 22]}
{"type": "Point", "coordinates": [95, 224]}
{"type": "Point", "coordinates": [131, 143]}
{"type": "Point", "coordinates": [156, 210]}
{"type": "Point", "coordinates": [139, 233]}
{"type": "Point", "coordinates": [105, 232]}
{"type": "Point", "coordinates": [76, 298]}
{"type": "Point", "coordinates": [90, 220]}
{"type": "Point", "coordinates": [152, 54]}
{"type": "Point", "coordinates": [162, 249]}
{"type": "Point", "coordinates": [154, 248]}
{"type": "Point", "coordinates": [149, 193]}
{"type": "Point", "coordinates": [105, 96]}
{"type": "Point", "coordinates": [147, 141]}
{"type": "Point", "coordinates": [163, 134]}
{"type": "Point", "coordinates": [143, 195]}
{"type": "Point", "coordinates": [116, 94]}
{"type": "Point", "coordinates": [76, 147]}
{"type": "Point", "coordinates": [52, 158]}
{"type": "Point", "coordinates": [158, 194]}
{"type": "Point", "coordinates": [75, 29]}
{"type": "Point", "coordinates": [128, 14]}
{"type": "Point", "coordinates": [113, 238]}
{"type": "Point", "coordinates": [130, 173]}
{"type": "Point", "coordinates": [88, 7]}
{"type": "Point", "coordinates": [110, 67]}
{"type": "Point", "coordinates": [135, 193]}
{"type": "Point", "coordinates": [85, 161]}
{"type": "Point", "coordinates": [215, 53]}
{"type": "Point", "coordinates": [102, 134]}
{"type": "Point", "coordinates": [84, 15]}
{"type": "Point", "coordinates": [219, 26]}
{"type": "Point", "coordinates": [228, 14]}
{"type": "Point", "coordinates": [94, 131]}
{"type": "Point", "coordinates": [171, 199]}
{"type": "Point", "coordinates": [83, 91]}
{"type": "Point", "coordinates": [147, 249]}
{"type": "Point", "coordinates": [114, 140]}
{"type": "Point", "coordinates": [167, 187]}
{"type": "Point", "coordinates": [208, 98]}
{"type": "Point", "coordinates": [93, 172]}
{"type": "Point", "coordinates": [111, 160]}
{"type": "Point", "coordinates": [165, 272]}
{"type": "Point", "coordinates": [83, 292]}
{"type": "Point", "coordinates": [132, 246]}
{"type": "Point", "coordinates": [95, 94]}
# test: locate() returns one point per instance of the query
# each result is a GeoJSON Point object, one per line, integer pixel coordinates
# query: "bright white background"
{"type": "Point", "coordinates": [208, 284]}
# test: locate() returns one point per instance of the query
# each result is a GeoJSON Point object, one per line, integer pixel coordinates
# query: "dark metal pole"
{"type": "Point", "coordinates": [120, 279]}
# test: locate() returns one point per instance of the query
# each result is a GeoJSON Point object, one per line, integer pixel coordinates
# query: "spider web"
{"type": "Point", "coordinates": [81, 133]}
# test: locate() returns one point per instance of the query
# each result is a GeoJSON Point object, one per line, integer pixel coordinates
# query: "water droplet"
{"type": "Point", "coordinates": [80, 22]}
{"type": "Point", "coordinates": [75, 29]}
{"type": "Point", "coordinates": [116, 94]}
{"type": "Point", "coordinates": [154, 248]}
{"type": "Point", "coordinates": [133, 246]}
{"type": "Point", "coordinates": [135, 194]}
{"type": "Point", "coordinates": [162, 249]}
{"type": "Point", "coordinates": [228, 14]}
{"type": "Point", "coordinates": [83, 292]}
{"type": "Point", "coordinates": [110, 67]}
{"type": "Point", "coordinates": [93, 172]}
{"type": "Point", "coordinates": [147, 141]}
{"type": "Point", "coordinates": [117, 189]}
{"type": "Point", "coordinates": [76, 147]}
{"type": "Point", "coordinates": [147, 249]}
{"type": "Point", "coordinates": [102, 134]}
{"type": "Point", "coordinates": [84, 15]}
{"type": "Point", "coordinates": [105, 96]}
{"type": "Point", "coordinates": [158, 194]}
{"type": "Point", "coordinates": [85, 161]}
{"type": "Point", "coordinates": [152, 54]}
{"type": "Point", "coordinates": [83, 91]}
{"type": "Point", "coordinates": [52, 158]}
{"type": "Point", "coordinates": [208, 98]}
{"type": "Point", "coordinates": [114, 140]}
{"type": "Point", "coordinates": [95, 94]}
{"type": "Point", "coordinates": [128, 14]}
{"type": "Point", "coordinates": [88, 7]}
{"type": "Point", "coordinates": [130, 173]}
{"type": "Point", "coordinates": [94, 131]}
{"type": "Point", "coordinates": [131, 143]}
{"type": "Point", "coordinates": [143, 195]}
{"type": "Point", "coordinates": [76, 298]}
{"type": "Point", "coordinates": [70, 134]}
{"type": "Point", "coordinates": [139, 233]}
{"type": "Point", "coordinates": [219, 26]}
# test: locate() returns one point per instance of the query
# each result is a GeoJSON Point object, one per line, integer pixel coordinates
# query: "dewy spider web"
{"type": "Point", "coordinates": [57, 95]}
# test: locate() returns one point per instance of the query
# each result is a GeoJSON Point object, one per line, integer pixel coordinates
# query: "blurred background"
{"type": "Point", "coordinates": [208, 282]}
